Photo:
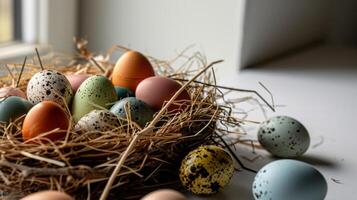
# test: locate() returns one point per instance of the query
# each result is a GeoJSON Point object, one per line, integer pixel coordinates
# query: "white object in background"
{"type": "Point", "coordinates": [274, 27]}
{"type": "Point", "coordinates": [50, 22]}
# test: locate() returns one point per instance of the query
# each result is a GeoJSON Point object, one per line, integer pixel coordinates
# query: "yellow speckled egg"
{"type": "Point", "coordinates": [206, 170]}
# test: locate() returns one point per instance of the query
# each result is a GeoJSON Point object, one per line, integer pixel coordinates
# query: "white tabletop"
{"type": "Point", "coordinates": [319, 88]}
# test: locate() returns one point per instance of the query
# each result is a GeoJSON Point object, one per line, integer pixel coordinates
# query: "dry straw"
{"type": "Point", "coordinates": [126, 162]}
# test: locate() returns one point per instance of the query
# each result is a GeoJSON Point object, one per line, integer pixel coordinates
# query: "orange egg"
{"type": "Point", "coordinates": [155, 91]}
{"type": "Point", "coordinates": [44, 117]}
{"type": "Point", "coordinates": [48, 195]}
{"type": "Point", "coordinates": [131, 68]}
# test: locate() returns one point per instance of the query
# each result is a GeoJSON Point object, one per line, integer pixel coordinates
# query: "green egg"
{"type": "Point", "coordinates": [97, 92]}
{"type": "Point", "coordinates": [206, 170]}
{"type": "Point", "coordinates": [140, 112]}
{"type": "Point", "coordinates": [123, 92]}
{"type": "Point", "coordinates": [12, 108]}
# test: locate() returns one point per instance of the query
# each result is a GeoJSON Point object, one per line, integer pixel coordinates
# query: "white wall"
{"type": "Point", "coordinates": [162, 27]}
{"type": "Point", "coordinates": [275, 26]}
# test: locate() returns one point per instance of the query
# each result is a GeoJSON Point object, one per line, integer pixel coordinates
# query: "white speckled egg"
{"type": "Point", "coordinates": [98, 120]}
{"type": "Point", "coordinates": [284, 137]}
{"type": "Point", "coordinates": [289, 180]}
{"type": "Point", "coordinates": [49, 85]}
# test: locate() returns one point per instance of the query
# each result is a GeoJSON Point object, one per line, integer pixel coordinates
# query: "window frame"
{"type": "Point", "coordinates": [39, 28]}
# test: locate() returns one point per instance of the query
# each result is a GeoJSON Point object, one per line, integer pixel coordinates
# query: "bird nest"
{"type": "Point", "coordinates": [126, 162]}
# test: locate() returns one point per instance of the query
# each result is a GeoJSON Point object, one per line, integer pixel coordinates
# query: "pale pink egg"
{"type": "Point", "coordinates": [76, 80]}
{"type": "Point", "coordinates": [11, 91]}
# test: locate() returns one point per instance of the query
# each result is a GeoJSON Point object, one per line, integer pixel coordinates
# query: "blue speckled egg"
{"type": "Point", "coordinates": [289, 180]}
{"type": "Point", "coordinates": [12, 108]}
{"type": "Point", "coordinates": [123, 92]}
{"type": "Point", "coordinates": [140, 112]}
{"type": "Point", "coordinates": [284, 137]}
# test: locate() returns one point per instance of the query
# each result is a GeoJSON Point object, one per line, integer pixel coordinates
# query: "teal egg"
{"type": "Point", "coordinates": [123, 92]}
{"type": "Point", "coordinates": [140, 112]}
{"type": "Point", "coordinates": [96, 92]}
{"type": "Point", "coordinates": [289, 179]}
{"type": "Point", "coordinates": [12, 108]}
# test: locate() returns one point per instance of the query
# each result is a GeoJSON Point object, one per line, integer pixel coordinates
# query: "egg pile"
{"type": "Point", "coordinates": [94, 103]}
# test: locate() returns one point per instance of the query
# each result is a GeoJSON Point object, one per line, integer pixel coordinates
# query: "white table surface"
{"type": "Point", "coordinates": [319, 88]}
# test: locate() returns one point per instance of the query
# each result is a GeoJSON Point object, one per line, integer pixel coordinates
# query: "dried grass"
{"type": "Point", "coordinates": [81, 165]}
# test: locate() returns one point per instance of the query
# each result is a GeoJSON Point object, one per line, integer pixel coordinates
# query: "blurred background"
{"type": "Point", "coordinates": [304, 51]}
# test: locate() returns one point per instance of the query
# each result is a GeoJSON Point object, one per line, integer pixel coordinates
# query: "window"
{"type": "Point", "coordinates": [10, 22]}
{"type": "Point", "coordinates": [45, 24]}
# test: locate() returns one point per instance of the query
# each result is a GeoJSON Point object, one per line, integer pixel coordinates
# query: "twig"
{"type": "Point", "coordinates": [234, 89]}
{"type": "Point", "coordinates": [149, 128]}
{"type": "Point", "coordinates": [97, 65]}
{"type": "Point", "coordinates": [39, 59]}
{"type": "Point", "coordinates": [51, 161]}
{"type": "Point", "coordinates": [78, 171]}
{"type": "Point", "coordinates": [22, 70]}
{"type": "Point", "coordinates": [234, 155]}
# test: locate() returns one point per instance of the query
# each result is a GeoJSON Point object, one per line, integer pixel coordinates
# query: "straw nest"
{"type": "Point", "coordinates": [148, 158]}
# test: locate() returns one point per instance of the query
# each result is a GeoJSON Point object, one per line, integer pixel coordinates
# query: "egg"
{"type": "Point", "coordinates": [98, 120]}
{"type": "Point", "coordinates": [289, 179]}
{"type": "Point", "coordinates": [12, 108]}
{"type": "Point", "coordinates": [164, 194]}
{"type": "Point", "coordinates": [97, 92]}
{"type": "Point", "coordinates": [123, 92]}
{"type": "Point", "coordinates": [155, 91]}
{"type": "Point", "coordinates": [76, 80]}
{"type": "Point", "coordinates": [44, 117]}
{"type": "Point", "coordinates": [49, 85]}
{"type": "Point", "coordinates": [206, 170]}
{"type": "Point", "coordinates": [11, 91]}
{"type": "Point", "coordinates": [48, 195]}
{"type": "Point", "coordinates": [284, 137]}
{"type": "Point", "coordinates": [131, 68]}
{"type": "Point", "coordinates": [140, 112]}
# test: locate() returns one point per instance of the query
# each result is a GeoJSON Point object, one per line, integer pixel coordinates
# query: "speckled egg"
{"type": "Point", "coordinates": [49, 85]}
{"type": "Point", "coordinates": [284, 137]}
{"type": "Point", "coordinates": [98, 120]}
{"type": "Point", "coordinates": [96, 92]}
{"type": "Point", "coordinates": [123, 92]}
{"type": "Point", "coordinates": [206, 170]}
{"type": "Point", "coordinates": [140, 112]}
{"type": "Point", "coordinates": [12, 108]}
{"type": "Point", "coordinates": [289, 179]}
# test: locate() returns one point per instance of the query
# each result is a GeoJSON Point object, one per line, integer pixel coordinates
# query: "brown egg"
{"type": "Point", "coordinates": [48, 195]}
{"type": "Point", "coordinates": [11, 91]}
{"type": "Point", "coordinates": [44, 117]}
{"type": "Point", "coordinates": [131, 68]}
{"type": "Point", "coordinates": [155, 91]}
{"type": "Point", "coordinates": [76, 80]}
{"type": "Point", "coordinates": [164, 194]}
